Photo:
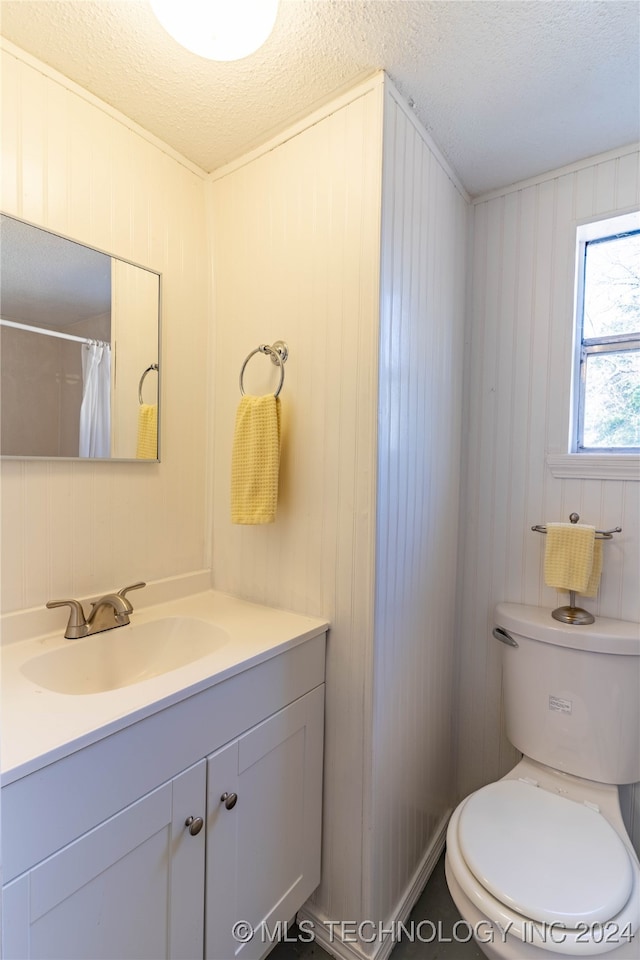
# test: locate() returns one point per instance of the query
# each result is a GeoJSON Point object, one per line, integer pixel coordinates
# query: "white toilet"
{"type": "Point", "coordinates": [539, 863]}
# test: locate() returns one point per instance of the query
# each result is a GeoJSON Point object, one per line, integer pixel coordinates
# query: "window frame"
{"type": "Point", "coordinates": [594, 232]}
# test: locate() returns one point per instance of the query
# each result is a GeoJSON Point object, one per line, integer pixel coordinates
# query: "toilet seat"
{"type": "Point", "coordinates": [559, 860]}
{"type": "Point", "coordinates": [584, 940]}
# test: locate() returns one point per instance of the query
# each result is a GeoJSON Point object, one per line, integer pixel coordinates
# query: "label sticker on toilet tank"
{"type": "Point", "coordinates": [562, 706]}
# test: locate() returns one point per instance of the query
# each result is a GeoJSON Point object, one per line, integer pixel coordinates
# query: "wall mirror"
{"type": "Point", "coordinates": [79, 350]}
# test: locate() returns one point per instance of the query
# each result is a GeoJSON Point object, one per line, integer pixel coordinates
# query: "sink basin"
{"type": "Point", "coordinates": [117, 658]}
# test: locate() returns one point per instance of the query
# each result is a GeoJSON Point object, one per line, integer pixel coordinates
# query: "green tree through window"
{"type": "Point", "coordinates": [609, 382]}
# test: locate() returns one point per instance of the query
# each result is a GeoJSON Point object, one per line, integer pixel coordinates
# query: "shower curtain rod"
{"type": "Point", "coordinates": [50, 333]}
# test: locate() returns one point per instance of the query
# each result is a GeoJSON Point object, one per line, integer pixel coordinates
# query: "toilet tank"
{"type": "Point", "coordinates": [571, 693]}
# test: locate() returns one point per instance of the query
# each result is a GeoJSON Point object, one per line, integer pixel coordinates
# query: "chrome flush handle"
{"type": "Point", "coordinates": [504, 637]}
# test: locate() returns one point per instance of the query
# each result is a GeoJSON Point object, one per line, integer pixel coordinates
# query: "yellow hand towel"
{"type": "Point", "coordinates": [569, 554]}
{"type": "Point", "coordinates": [255, 460]}
{"type": "Point", "coordinates": [594, 579]}
{"type": "Point", "coordinates": [147, 446]}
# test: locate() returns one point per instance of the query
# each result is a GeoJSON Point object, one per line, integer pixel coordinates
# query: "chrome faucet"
{"type": "Point", "coordinates": [107, 612]}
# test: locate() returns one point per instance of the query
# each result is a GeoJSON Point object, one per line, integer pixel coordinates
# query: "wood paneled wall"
{"type": "Point", "coordinates": [424, 240]}
{"type": "Point", "coordinates": [517, 410]}
{"type": "Point", "coordinates": [366, 527]}
{"type": "Point", "coordinates": [296, 257]}
{"type": "Point", "coordinates": [72, 165]}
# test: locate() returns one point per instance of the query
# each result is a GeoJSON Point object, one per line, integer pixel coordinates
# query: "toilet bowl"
{"type": "Point", "coordinates": [539, 863]}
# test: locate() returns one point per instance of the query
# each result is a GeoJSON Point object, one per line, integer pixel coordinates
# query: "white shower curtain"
{"type": "Point", "coordinates": [95, 412]}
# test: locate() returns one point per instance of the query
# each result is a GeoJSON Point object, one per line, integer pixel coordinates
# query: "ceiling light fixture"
{"type": "Point", "coordinates": [218, 29]}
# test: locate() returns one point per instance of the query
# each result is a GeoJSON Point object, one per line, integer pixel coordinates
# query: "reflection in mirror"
{"type": "Point", "coordinates": [79, 343]}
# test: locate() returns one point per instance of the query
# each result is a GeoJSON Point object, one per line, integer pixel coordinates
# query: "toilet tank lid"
{"type": "Point", "coordinates": [547, 857]}
{"type": "Point", "coordinates": [606, 635]}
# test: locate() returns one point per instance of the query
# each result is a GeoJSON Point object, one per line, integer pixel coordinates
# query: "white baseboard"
{"type": "Point", "coordinates": [326, 932]}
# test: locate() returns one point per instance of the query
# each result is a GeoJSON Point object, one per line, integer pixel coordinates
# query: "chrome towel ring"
{"type": "Point", "coordinates": [152, 366]}
{"type": "Point", "coordinates": [278, 352]}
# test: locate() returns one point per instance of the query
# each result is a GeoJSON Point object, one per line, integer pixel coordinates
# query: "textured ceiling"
{"type": "Point", "coordinates": [508, 90]}
{"type": "Point", "coordinates": [49, 281]}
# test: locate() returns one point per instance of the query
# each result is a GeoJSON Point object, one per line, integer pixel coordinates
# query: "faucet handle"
{"type": "Point", "coordinates": [134, 586]}
{"type": "Point", "coordinates": [125, 590]}
{"type": "Point", "coordinates": [77, 625]}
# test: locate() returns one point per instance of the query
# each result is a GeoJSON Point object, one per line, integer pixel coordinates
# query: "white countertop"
{"type": "Point", "coordinates": [39, 726]}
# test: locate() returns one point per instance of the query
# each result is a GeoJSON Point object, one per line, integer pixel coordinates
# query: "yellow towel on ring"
{"type": "Point", "coordinates": [147, 443]}
{"type": "Point", "coordinates": [255, 460]}
{"type": "Point", "coordinates": [569, 557]}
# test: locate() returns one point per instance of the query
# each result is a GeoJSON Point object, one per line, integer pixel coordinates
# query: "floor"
{"type": "Point", "coordinates": [432, 933]}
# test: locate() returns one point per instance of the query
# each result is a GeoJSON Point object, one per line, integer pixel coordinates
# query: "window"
{"type": "Point", "coordinates": [606, 417]}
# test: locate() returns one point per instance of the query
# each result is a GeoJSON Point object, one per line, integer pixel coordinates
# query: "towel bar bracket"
{"type": "Point", "coordinates": [280, 348]}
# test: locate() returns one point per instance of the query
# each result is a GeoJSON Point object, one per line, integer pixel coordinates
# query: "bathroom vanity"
{"type": "Point", "coordinates": [145, 821]}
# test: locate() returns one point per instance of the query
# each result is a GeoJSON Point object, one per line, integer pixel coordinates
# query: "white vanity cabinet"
{"type": "Point", "coordinates": [98, 857]}
{"type": "Point", "coordinates": [130, 888]}
{"type": "Point", "coordinates": [264, 795]}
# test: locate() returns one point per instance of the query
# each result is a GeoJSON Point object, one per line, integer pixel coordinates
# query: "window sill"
{"type": "Point", "coordinates": [595, 466]}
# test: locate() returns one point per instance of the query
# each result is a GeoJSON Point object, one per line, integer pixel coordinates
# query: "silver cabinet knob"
{"type": "Point", "coordinates": [195, 825]}
{"type": "Point", "coordinates": [229, 800]}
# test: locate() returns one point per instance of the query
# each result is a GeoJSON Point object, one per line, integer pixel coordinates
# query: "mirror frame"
{"type": "Point", "coordinates": [132, 263]}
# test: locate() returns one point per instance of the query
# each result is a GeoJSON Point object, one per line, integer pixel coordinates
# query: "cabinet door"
{"type": "Point", "coordinates": [263, 854]}
{"type": "Point", "coordinates": [130, 888]}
